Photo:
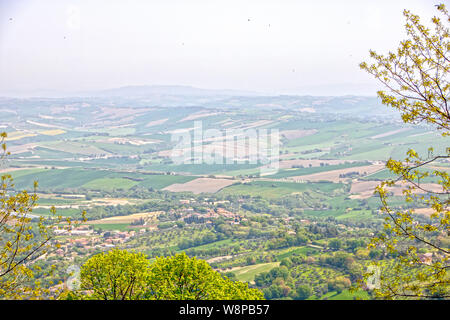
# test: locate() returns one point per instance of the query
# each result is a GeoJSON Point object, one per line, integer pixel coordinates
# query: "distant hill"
{"type": "Point", "coordinates": [161, 90]}
{"type": "Point", "coordinates": [134, 92]}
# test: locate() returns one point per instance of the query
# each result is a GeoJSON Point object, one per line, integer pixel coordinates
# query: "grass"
{"type": "Point", "coordinates": [380, 175]}
{"type": "Point", "coordinates": [74, 147]}
{"type": "Point", "coordinates": [109, 184]}
{"type": "Point", "coordinates": [276, 189]}
{"type": "Point", "coordinates": [162, 181]}
{"type": "Point", "coordinates": [243, 172]}
{"type": "Point", "coordinates": [201, 168]}
{"type": "Point", "coordinates": [57, 201]}
{"type": "Point", "coordinates": [64, 212]}
{"type": "Point", "coordinates": [59, 178]}
{"type": "Point", "coordinates": [24, 172]}
{"type": "Point", "coordinates": [356, 215]}
{"type": "Point", "coordinates": [312, 139]}
{"type": "Point", "coordinates": [374, 154]}
{"type": "Point", "coordinates": [215, 244]}
{"type": "Point", "coordinates": [248, 273]}
{"type": "Point", "coordinates": [93, 179]}
{"type": "Point", "coordinates": [345, 295]}
{"type": "Point", "coordinates": [52, 132]}
{"type": "Point", "coordinates": [306, 171]}
{"type": "Point", "coordinates": [17, 135]}
{"type": "Point", "coordinates": [385, 174]}
{"type": "Point", "coordinates": [46, 153]}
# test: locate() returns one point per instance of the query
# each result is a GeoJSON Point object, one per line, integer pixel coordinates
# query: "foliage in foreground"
{"type": "Point", "coordinates": [122, 275]}
{"type": "Point", "coordinates": [23, 241]}
{"type": "Point", "coordinates": [416, 76]}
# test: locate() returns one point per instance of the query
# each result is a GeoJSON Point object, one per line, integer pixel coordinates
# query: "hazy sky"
{"type": "Point", "coordinates": [275, 46]}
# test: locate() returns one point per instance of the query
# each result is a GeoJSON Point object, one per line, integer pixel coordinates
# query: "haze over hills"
{"type": "Point", "coordinates": [142, 91]}
{"type": "Point", "coordinates": [165, 90]}
{"type": "Point", "coordinates": [137, 91]}
{"type": "Point", "coordinates": [189, 96]}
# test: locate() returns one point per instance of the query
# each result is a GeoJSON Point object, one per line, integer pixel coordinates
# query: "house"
{"type": "Point", "coordinates": [81, 232]}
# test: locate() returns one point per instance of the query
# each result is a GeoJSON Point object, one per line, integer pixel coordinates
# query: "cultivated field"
{"type": "Point", "coordinates": [200, 185]}
{"type": "Point", "coordinates": [294, 134]}
{"type": "Point", "coordinates": [248, 273]}
{"type": "Point", "coordinates": [286, 164]}
{"type": "Point", "coordinates": [365, 189]}
{"type": "Point", "coordinates": [334, 175]}
{"type": "Point", "coordinates": [126, 219]}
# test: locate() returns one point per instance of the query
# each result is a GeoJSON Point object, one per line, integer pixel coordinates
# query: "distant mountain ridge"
{"type": "Point", "coordinates": [138, 91]}
{"type": "Point", "coordinates": [161, 91]}
{"type": "Point", "coordinates": [166, 90]}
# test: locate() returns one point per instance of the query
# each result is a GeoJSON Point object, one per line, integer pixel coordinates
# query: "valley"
{"type": "Point", "coordinates": [307, 224]}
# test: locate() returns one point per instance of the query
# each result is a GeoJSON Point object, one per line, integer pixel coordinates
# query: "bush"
{"type": "Point", "coordinates": [122, 275]}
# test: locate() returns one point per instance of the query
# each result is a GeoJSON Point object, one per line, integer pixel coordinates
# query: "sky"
{"type": "Point", "coordinates": [267, 46]}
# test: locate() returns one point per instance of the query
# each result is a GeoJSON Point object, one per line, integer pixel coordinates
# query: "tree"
{"type": "Point", "coordinates": [335, 244]}
{"type": "Point", "coordinates": [303, 292]}
{"type": "Point", "coordinates": [286, 262]}
{"type": "Point", "coordinates": [122, 275]}
{"type": "Point", "coordinates": [180, 277]}
{"type": "Point", "coordinates": [22, 240]}
{"type": "Point", "coordinates": [416, 79]}
{"type": "Point", "coordinates": [115, 275]}
{"type": "Point", "coordinates": [339, 284]}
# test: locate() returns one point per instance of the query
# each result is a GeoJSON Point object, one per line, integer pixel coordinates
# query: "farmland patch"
{"type": "Point", "coordinates": [201, 185]}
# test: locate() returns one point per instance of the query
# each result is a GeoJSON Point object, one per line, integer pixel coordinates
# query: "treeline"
{"type": "Point", "coordinates": [288, 281]}
{"type": "Point", "coordinates": [198, 241]}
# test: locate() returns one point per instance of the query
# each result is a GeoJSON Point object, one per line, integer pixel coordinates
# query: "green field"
{"type": "Point", "coordinates": [276, 189]}
{"type": "Point", "coordinates": [306, 171]}
{"type": "Point", "coordinates": [345, 295]}
{"type": "Point", "coordinates": [91, 179]}
{"type": "Point", "coordinates": [248, 273]}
